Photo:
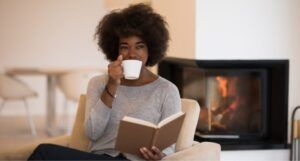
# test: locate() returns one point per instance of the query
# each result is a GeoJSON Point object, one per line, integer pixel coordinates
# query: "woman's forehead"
{"type": "Point", "coordinates": [131, 40]}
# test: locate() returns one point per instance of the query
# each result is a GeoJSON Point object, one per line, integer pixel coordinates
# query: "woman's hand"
{"type": "Point", "coordinates": [115, 71]}
{"type": "Point", "coordinates": [153, 154]}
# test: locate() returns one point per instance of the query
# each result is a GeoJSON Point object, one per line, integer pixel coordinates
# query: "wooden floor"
{"type": "Point", "coordinates": [15, 131]}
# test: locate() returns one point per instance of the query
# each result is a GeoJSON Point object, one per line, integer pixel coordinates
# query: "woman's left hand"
{"type": "Point", "coordinates": [152, 154]}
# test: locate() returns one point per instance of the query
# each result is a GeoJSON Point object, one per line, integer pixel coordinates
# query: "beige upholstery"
{"type": "Point", "coordinates": [186, 136]}
{"type": "Point", "coordinates": [13, 89]}
{"type": "Point", "coordinates": [78, 138]}
{"type": "Point", "coordinates": [186, 148]}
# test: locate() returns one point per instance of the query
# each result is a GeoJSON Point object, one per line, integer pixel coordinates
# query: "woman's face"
{"type": "Point", "coordinates": [133, 47]}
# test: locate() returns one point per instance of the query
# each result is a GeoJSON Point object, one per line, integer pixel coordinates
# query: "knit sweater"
{"type": "Point", "coordinates": [151, 102]}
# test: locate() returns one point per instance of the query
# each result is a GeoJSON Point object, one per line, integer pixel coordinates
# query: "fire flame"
{"type": "Point", "coordinates": [223, 85]}
{"type": "Point", "coordinates": [227, 87]}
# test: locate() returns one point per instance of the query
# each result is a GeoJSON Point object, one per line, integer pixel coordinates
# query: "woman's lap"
{"type": "Point", "coordinates": [57, 152]}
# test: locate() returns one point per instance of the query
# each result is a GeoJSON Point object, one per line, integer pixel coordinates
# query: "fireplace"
{"type": "Point", "coordinates": [244, 103]}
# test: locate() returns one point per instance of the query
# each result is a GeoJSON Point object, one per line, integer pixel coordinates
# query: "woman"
{"type": "Point", "coordinates": [136, 32]}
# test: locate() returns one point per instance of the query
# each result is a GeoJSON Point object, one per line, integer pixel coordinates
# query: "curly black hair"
{"type": "Point", "coordinates": [136, 20]}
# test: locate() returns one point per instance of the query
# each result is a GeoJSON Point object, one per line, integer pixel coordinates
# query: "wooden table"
{"type": "Point", "coordinates": [52, 75]}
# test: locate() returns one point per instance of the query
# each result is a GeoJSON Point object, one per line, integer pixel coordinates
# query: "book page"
{"type": "Point", "coordinates": [169, 132]}
{"type": "Point", "coordinates": [132, 136]}
{"type": "Point", "coordinates": [139, 121]}
{"type": "Point", "coordinates": [135, 133]}
{"type": "Point", "coordinates": [169, 119]}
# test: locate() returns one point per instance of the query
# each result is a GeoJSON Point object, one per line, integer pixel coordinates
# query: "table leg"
{"type": "Point", "coordinates": [51, 127]}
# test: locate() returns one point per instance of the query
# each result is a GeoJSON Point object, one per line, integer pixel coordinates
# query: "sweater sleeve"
{"type": "Point", "coordinates": [97, 114]}
{"type": "Point", "coordinates": [171, 102]}
{"type": "Point", "coordinates": [171, 105]}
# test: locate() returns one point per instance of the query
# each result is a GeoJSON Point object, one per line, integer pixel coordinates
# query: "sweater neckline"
{"type": "Point", "coordinates": [143, 86]}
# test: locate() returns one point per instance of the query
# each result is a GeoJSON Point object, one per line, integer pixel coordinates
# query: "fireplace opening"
{"type": "Point", "coordinates": [230, 99]}
{"type": "Point", "coordinates": [243, 102]}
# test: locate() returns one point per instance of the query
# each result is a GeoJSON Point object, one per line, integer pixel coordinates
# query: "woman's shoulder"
{"type": "Point", "coordinates": [166, 84]}
{"type": "Point", "coordinates": [98, 80]}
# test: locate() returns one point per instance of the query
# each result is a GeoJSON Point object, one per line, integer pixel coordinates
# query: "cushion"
{"type": "Point", "coordinates": [186, 136]}
{"type": "Point", "coordinates": [78, 139]}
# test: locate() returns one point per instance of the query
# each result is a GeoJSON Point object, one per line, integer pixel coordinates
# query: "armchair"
{"type": "Point", "coordinates": [186, 148]}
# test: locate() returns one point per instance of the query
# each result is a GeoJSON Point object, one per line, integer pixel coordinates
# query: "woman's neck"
{"type": "Point", "coordinates": [146, 76]}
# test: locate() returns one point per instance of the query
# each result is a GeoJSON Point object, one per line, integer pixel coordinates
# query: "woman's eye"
{"type": "Point", "coordinates": [140, 46]}
{"type": "Point", "coordinates": [123, 47]}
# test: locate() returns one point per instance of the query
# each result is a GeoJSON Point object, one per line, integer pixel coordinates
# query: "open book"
{"type": "Point", "coordinates": [134, 133]}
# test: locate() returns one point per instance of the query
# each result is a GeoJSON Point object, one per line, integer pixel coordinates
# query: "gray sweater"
{"type": "Point", "coordinates": [151, 102]}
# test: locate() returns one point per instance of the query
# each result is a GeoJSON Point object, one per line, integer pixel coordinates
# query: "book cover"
{"type": "Point", "coordinates": [136, 133]}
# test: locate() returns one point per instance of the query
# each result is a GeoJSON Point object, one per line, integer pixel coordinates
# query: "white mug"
{"type": "Point", "coordinates": [132, 68]}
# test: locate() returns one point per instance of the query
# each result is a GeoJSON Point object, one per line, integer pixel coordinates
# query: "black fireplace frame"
{"type": "Point", "coordinates": [276, 136]}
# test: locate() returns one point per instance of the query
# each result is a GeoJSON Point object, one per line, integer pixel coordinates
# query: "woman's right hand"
{"type": "Point", "coordinates": [115, 71]}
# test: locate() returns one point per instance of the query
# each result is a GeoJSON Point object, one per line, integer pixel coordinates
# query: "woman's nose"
{"type": "Point", "coordinates": [132, 54]}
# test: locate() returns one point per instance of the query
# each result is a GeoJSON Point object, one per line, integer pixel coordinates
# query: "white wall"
{"type": "Point", "coordinates": [251, 29]}
{"type": "Point", "coordinates": [180, 15]}
{"type": "Point", "coordinates": [48, 33]}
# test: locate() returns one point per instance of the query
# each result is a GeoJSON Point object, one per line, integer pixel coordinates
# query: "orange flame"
{"type": "Point", "coordinates": [223, 85]}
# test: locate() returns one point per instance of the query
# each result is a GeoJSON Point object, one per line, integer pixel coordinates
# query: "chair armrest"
{"type": "Point", "coordinates": [205, 151]}
{"type": "Point", "coordinates": [23, 152]}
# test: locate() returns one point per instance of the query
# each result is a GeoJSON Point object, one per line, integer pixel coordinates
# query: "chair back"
{"type": "Point", "coordinates": [75, 83]}
{"type": "Point", "coordinates": [80, 141]}
{"type": "Point", "coordinates": [13, 88]}
{"type": "Point", "coordinates": [187, 132]}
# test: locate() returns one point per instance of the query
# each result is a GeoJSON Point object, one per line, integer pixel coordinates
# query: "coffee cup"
{"type": "Point", "coordinates": [131, 68]}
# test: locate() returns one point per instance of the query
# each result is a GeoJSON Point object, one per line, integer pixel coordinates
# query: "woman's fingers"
{"type": "Point", "coordinates": [144, 153]}
{"type": "Point", "coordinates": [149, 153]}
{"type": "Point", "coordinates": [153, 154]}
{"type": "Point", "coordinates": [120, 58]}
{"type": "Point", "coordinates": [115, 69]}
{"type": "Point", "coordinates": [158, 152]}
{"type": "Point", "coordinates": [117, 62]}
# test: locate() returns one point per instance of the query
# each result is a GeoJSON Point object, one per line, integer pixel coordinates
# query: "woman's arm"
{"type": "Point", "coordinates": [171, 103]}
{"type": "Point", "coordinates": [100, 97]}
{"type": "Point", "coordinates": [97, 114]}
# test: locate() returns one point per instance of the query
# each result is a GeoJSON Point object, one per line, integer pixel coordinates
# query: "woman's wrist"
{"type": "Point", "coordinates": [113, 82]}
{"type": "Point", "coordinates": [111, 88]}
{"type": "Point", "coordinates": [109, 93]}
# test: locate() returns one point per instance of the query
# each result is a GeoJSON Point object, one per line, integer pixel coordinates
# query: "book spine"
{"type": "Point", "coordinates": [154, 138]}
